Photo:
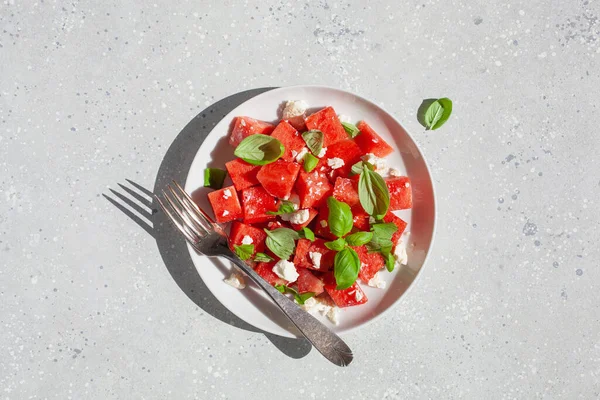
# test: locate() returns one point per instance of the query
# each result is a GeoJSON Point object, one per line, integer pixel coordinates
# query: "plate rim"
{"type": "Point", "coordinates": [284, 332]}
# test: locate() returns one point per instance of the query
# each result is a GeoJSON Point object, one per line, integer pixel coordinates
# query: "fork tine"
{"type": "Point", "coordinates": [175, 221]}
{"type": "Point", "coordinates": [192, 212]}
{"type": "Point", "coordinates": [183, 216]}
{"type": "Point", "coordinates": [191, 202]}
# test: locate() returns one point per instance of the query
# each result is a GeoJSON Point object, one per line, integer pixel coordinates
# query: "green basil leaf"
{"type": "Point", "coordinates": [345, 268]}
{"type": "Point", "coordinates": [340, 217]}
{"type": "Point", "coordinates": [262, 257]}
{"type": "Point", "coordinates": [337, 245]}
{"type": "Point", "coordinates": [310, 162]}
{"type": "Point", "coordinates": [446, 103]}
{"type": "Point", "coordinates": [306, 233]}
{"type": "Point", "coordinates": [314, 141]}
{"type": "Point", "coordinates": [433, 113]}
{"type": "Point", "coordinates": [244, 251]}
{"type": "Point", "coordinates": [259, 149]}
{"type": "Point", "coordinates": [358, 167]}
{"type": "Point", "coordinates": [281, 288]}
{"type": "Point", "coordinates": [281, 242]}
{"type": "Point", "coordinates": [301, 298]}
{"type": "Point", "coordinates": [359, 238]}
{"type": "Point", "coordinates": [285, 207]}
{"type": "Point", "coordinates": [373, 193]}
{"type": "Point", "coordinates": [351, 129]}
{"type": "Point", "coordinates": [390, 262]}
{"type": "Point", "coordinates": [214, 177]}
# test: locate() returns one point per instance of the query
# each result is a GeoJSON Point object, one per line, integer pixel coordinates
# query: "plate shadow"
{"type": "Point", "coordinates": [171, 245]}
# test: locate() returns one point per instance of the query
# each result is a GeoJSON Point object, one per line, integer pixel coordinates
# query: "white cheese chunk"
{"type": "Point", "coordinates": [226, 194]}
{"type": "Point", "coordinates": [236, 280]}
{"type": "Point", "coordinates": [294, 108]}
{"type": "Point", "coordinates": [286, 270]}
{"type": "Point", "coordinates": [296, 200]}
{"type": "Point", "coordinates": [344, 118]}
{"type": "Point", "coordinates": [315, 257]}
{"type": "Point", "coordinates": [400, 253]}
{"type": "Point", "coordinates": [334, 315]}
{"type": "Point", "coordinates": [300, 156]}
{"type": "Point", "coordinates": [322, 152]}
{"type": "Point", "coordinates": [395, 172]}
{"type": "Point", "coordinates": [297, 218]}
{"type": "Point", "coordinates": [358, 295]}
{"type": "Point", "coordinates": [377, 282]}
{"type": "Point", "coordinates": [247, 240]}
{"type": "Point", "coordinates": [225, 213]}
{"type": "Point", "coordinates": [335, 163]}
{"type": "Point", "coordinates": [379, 163]}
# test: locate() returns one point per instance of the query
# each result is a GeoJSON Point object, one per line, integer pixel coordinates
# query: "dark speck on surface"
{"type": "Point", "coordinates": [579, 272]}
{"type": "Point", "coordinates": [477, 20]}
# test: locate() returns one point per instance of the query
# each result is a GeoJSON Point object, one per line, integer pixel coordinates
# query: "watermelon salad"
{"type": "Point", "coordinates": [311, 206]}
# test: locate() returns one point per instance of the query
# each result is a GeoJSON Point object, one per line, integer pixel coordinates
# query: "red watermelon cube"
{"type": "Point", "coordinates": [353, 296]}
{"type": "Point", "coordinates": [291, 140]}
{"type": "Point", "coordinates": [239, 231]}
{"type": "Point", "coordinates": [242, 174]}
{"type": "Point", "coordinates": [278, 178]}
{"type": "Point", "coordinates": [225, 204]}
{"type": "Point", "coordinates": [312, 213]}
{"type": "Point", "coordinates": [370, 263]}
{"type": "Point", "coordinates": [308, 282]}
{"type": "Point", "coordinates": [246, 126]}
{"type": "Point", "coordinates": [360, 219]}
{"type": "Point", "coordinates": [345, 150]}
{"type": "Point", "coordinates": [327, 122]}
{"type": "Point", "coordinates": [265, 270]}
{"type": "Point", "coordinates": [370, 142]}
{"type": "Point", "coordinates": [321, 226]}
{"type": "Point", "coordinates": [346, 190]}
{"type": "Point", "coordinates": [256, 203]}
{"type": "Point", "coordinates": [312, 188]}
{"type": "Point", "coordinates": [399, 222]}
{"type": "Point", "coordinates": [305, 247]}
{"type": "Point", "coordinates": [400, 193]}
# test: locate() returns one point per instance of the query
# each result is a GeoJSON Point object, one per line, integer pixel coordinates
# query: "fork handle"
{"type": "Point", "coordinates": [330, 345]}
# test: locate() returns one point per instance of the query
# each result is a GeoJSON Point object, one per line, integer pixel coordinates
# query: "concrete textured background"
{"type": "Point", "coordinates": [93, 93]}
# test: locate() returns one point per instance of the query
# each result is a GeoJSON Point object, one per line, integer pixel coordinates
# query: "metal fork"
{"type": "Point", "coordinates": [209, 239]}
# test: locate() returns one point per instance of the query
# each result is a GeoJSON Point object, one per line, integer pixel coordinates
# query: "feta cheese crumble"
{"type": "Point", "coordinates": [226, 194]}
{"type": "Point", "coordinates": [334, 315]}
{"type": "Point", "coordinates": [358, 295]}
{"type": "Point", "coordinates": [225, 213]}
{"type": "Point", "coordinates": [344, 118]}
{"type": "Point", "coordinates": [299, 156]}
{"type": "Point", "coordinates": [377, 282]}
{"type": "Point", "coordinates": [247, 240]}
{"type": "Point", "coordinates": [286, 270]}
{"type": "Point", "coordinates": [243, 123]}
{"type": "Point", "coordinates": [395, 172]}
{"type": "Point", "coordinates": [322, 152]}
{"type": "Point", "coordinates": [400, 253]}
{"type": "Point", "coordinates": [335, 163]}
{"type": "Point", "coordinates": [379, 163]}
{"type": "Point", "coordinates": [315, 257]}
{"type": "Point", "coordinates": [236, 280]}
{"type": "Point", "coordinates": [294, 198]}
{"type": "Point", "coordinates": [294, 108]}
{"type": "Point", "coordinates": [297, 218]}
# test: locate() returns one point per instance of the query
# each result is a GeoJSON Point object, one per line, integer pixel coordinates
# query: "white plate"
{"type": "Point", "coordinates": [251, 304]}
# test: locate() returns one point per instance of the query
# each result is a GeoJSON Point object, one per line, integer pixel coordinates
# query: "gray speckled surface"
{"type": "Point", "coordinates": [93, 93]}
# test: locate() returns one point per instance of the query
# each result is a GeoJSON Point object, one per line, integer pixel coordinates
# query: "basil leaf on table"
{"type": "Point", "coordinates": [340, 217]}
{"type": "Point", "coordinates": [337, 245]}
{"type": "Point", "coordinates": [285, 207]}
{"type": "Point", "coordinates": [281, 242]}
{"type": "Point", "coordinates": [306, 233]}
{"type": "Point", "coordinates": [259, 149]}
{"type": "Point", "coordinates": [351, 129]}
{"type": "Point", "coordinates": [359, 238]}
{"type": "Point", "coordinates": [433, 113]}
{"type": "Point", "coordinates": [314, 140]}
{"type": "Point", "coordinates": [373, 193]}
{"type": "Point", "coordinates": [214, 177]}
{"type": "Point", "coordinates": [345, 268]}
{"type": "Point", "coordinates": [310, 162]}
{"type": "Point", "coordinates": [244, 251]}
{"type": "Point", "coordinates": [262, 257]}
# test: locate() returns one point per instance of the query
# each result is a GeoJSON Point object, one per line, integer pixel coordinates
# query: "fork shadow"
{"type": "Point", "coordinates": [171, 245]}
